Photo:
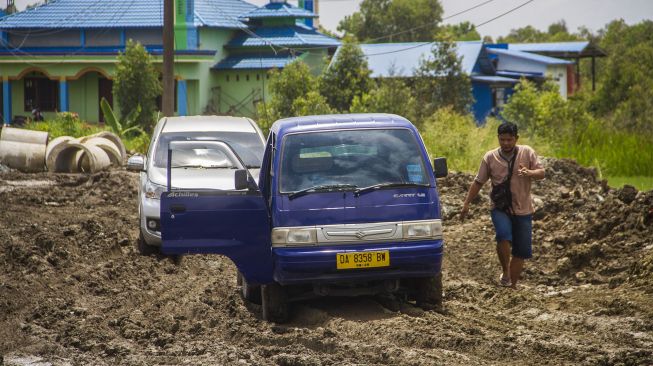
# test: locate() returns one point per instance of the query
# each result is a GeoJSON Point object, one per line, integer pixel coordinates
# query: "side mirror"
{"type": "Point", "coordinates": [240, 178]}
{"type": "Point", "coordinates": [136, 163]}
{"type": "Point", "coordinates": [440, 167]}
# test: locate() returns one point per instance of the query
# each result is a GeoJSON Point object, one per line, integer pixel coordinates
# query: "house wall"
{"type": "Point", "coordinates": [316, 60]}
{"type": "Point", "coordinates": [102, 37]}
{"type": "Point", "coordinates": [558, 74]}
{"type": "Point", "coordinates": [237, 92]}
{"type": "Point", "coordinates": [210, 39]}
{"type": "Point", "coordinates": [45, 38]}
{"type": "Point", "coordinates": [84, 97]}
{"type": "Point", "coordinates": [483, 102]}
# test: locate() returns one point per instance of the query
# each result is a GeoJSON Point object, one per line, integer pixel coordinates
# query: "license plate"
{"type": "Point", "coordinates": [363, 259]}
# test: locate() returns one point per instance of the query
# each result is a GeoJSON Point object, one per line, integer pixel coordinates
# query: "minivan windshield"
{"type": "Point", "coordinates": [352, 159]}
{"type": "Point", "coordinates": [247, 145]}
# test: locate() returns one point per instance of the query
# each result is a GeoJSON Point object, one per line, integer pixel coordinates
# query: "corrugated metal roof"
{"type": "Point", "coordinates": [549, 47]}
{"type": "Point", "coordinates": [401, 59]}
{"type": "Point", "coordinates": [284, 36]}
{"type": "Point", "coordinates": [528, 56]}
{"type": "Point", "coordinates": [61, 14]}
{"type": "Point", "coordinates": [220, 13]}
{"type": "Point", "coordinates": [239, 62]}
{"type": "Point", "coordinates": [278, 10]}
{"type": "Point", "coordinates": [493, 79]}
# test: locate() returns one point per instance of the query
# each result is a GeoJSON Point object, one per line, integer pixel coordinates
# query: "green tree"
{"type": "Point", "coordinates": [347, 77]}
{"type": "Point", "coordinates": [541, 112]}
{"type": "Point", "coordinates": [292, 91]}
{"type": "Point", "coordinates": [407, 20]}
{"type": "Point", "coordinates": [625, 81]}
{"type": "Point", "coordinates": [464, 31]}
{"type": "Point", "coordinates": [136, 85]}
{"type": "Point", "coordinates": [440, 81]}
{"type": "Point", "coordinates": [392, 95]}
{"type": "Point", "coordinates": [557, 32]}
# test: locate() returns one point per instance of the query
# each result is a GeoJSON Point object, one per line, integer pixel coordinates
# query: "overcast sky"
{"type": "Point", "coordinates": [539, 13]}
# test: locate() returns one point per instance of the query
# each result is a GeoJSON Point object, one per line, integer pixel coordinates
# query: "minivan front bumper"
{"type": "Point", "coordinates": [318, 264]}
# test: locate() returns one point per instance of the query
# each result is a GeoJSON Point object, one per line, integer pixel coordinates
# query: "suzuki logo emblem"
{"type": "Point", "coordinates": [360, 234]}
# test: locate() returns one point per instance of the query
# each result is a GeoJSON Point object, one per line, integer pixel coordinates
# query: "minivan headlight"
{"type": "Point", "coordinates": [154, 191]}
{"type": "Point", "coordinates": [422, 229]}
{"type": "Point", "coordinates": [288, 236]}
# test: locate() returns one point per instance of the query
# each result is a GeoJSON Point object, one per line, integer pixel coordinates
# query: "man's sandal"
{"type": "Point", "coordinates": [504, 282]}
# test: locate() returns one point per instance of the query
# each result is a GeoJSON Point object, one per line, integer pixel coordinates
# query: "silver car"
{"type": "Point", "coordinates": [193, 168]}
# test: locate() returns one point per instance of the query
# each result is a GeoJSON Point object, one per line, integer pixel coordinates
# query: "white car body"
{"type": "Point", "coordinates": [153, 179]}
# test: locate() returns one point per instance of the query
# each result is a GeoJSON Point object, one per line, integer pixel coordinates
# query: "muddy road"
{"type": "Point", "coordinates": [74, 290]}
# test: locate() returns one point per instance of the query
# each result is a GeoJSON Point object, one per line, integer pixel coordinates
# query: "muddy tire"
{"type": "Point", "coordinates": [251, 293]}
{"type": "Point", "coordinates": [274, 303]}
{"type": "Point", "coordinates": [144, 248]}
{"type": "Point", "coordinates": [428, 292]}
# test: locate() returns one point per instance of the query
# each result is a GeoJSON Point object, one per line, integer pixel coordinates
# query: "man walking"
{"type": "Point", "coordinates": [512, 207]}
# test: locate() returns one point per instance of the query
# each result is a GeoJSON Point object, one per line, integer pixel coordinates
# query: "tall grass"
{"type": "Point", "coordinates": [614, 152]}
{"type": "Point", "coordinates": [457, 138]}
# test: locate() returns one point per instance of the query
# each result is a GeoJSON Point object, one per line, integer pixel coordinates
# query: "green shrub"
{"type": "Point", "coordinates": [572, 132]}
{"type": "Point", "coordinates": [137, 144]}
{"type": "Point", "coordinates": [136, 84]}
{"type": "Point", "coordinates": [64, 124]}
{"type": "Point", "coordinates": [391, 96]}
{"type": "Point", "coordinates": [456, 137]}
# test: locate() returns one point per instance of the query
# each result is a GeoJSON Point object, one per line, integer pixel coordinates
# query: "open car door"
{"type": "Point", "coordinates": [233, 222]}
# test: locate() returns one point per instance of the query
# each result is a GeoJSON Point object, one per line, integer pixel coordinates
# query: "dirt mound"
{"type": "Point", "coordinates": [73, 288]}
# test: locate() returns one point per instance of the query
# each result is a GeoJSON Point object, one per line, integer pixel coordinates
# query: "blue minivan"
{"type": "Point", "coordinates": [345, 205]}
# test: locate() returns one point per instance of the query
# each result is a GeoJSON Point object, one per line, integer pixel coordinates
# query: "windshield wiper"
{"type": "Point", "coordinates": [323, 187]}
{"type": "Point", "coordinates": [360, 191]}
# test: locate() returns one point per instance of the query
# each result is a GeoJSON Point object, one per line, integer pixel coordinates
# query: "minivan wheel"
{"type": "Point", "coordinates": [428, 292]}
{"type": "Point", "coordinates": [144, 248]}
{"type": "Point", "coordinates": [275, 304]}
{"type": "Point", "coordinates": [251, 293]}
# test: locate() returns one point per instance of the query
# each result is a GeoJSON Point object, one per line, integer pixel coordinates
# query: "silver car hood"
{"type": "Point", "coordinates": [191, 178]}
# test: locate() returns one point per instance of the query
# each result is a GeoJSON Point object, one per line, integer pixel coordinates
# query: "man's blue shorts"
{"type": "Point", "coordinates": [518, 230]}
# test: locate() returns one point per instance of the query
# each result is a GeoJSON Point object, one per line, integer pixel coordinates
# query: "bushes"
{"type": "Point", "coordinates": [137, 85]}
{"type": "Point", "coordinates": [455, 136]}
{"type": "Point", "coordinates": [571, 131]}
{"type": "Point", "coordinates": [69, 124]}
{"type": "Point", "coordinates": [65, 124]}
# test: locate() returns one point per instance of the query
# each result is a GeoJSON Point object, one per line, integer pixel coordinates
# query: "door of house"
{"type": "Point", "coordinates": [105, 90]}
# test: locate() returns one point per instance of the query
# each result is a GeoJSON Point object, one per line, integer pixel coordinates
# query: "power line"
{"type": "Point", "coordinates": [432, 23]}
{"type": "Point", "coordinates": [506, 13]}
{"type": "Point", "coordinates": [479, 25]}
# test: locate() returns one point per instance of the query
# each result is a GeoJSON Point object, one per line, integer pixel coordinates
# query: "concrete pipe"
{"type": "Point", "coordinates": [22, 135]}
{"type": "Point", "coordinates": [23, 149]}
{"type": "Point", "coordinates": [23, 156]}
{"type": "Point", "coordinates": [54, 143]}
{"type": "Point", "coordinates": [68, 157]}
{"type": "Point", "coordinates": [109, 147]}
{"type": "Point", "coordinates": [113, 138]}
{"type": "Point", "coordinates": [91, 159]}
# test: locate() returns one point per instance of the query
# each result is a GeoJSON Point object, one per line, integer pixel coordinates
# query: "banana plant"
{"type": "Point", "coordinates": [122, 129]}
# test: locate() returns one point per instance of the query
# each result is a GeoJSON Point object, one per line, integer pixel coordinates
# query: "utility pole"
{"type": "Point", "coordinates": [168, 58]}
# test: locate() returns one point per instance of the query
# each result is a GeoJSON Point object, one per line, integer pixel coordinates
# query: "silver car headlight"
{"type": "Point", "coordinates": [154, 191]}
{"type": "Point", "coordinates": [428, 229]}
{"type": "Point", "coordinates": [289, 236]}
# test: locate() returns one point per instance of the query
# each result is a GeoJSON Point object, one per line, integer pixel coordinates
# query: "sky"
{"type": "Point", "coordinates": [594, 14]}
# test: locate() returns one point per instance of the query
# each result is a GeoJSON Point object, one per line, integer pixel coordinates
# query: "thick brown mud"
{"type": "Point", "coordinates": [74, 290]}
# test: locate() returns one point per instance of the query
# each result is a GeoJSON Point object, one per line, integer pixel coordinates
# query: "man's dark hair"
{"type": "Point", "coordinates": [507, 127]}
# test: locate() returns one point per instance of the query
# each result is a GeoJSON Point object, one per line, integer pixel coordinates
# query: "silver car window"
{"type": "Point", "coordinates": [248, 146]}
